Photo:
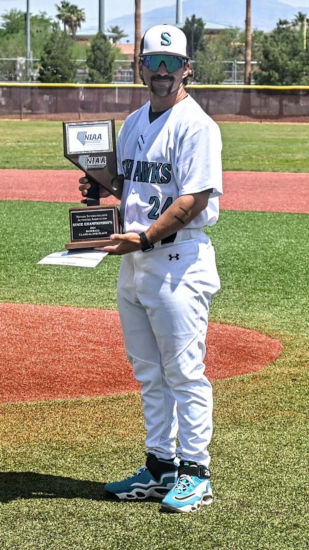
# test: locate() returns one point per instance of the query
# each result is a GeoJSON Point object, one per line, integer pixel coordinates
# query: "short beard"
{"type": "Point", "coordinates": [162, 92]}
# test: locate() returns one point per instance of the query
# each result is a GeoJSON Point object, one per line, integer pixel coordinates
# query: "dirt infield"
{"type": "Point", "coordinates": [48, 352]}
{"type": "Point", "coordinates": [257, 191]}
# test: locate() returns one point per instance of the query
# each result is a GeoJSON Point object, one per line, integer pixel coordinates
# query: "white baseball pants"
{"type": "Point", "coordinates": [164, 297]}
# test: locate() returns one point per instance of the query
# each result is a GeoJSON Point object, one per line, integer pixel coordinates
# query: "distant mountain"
{"type": "Point", "coordinates": [265, 14]}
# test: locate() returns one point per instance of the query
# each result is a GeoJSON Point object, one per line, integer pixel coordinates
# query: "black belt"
{"type": "Point", "coordinates": [169, 239]}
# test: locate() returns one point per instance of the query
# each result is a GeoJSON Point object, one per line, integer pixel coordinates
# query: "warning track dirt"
{"type": "Point", "coordinates": [257, 191]}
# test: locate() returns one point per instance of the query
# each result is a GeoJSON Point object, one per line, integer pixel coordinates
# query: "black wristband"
{"type": "Point", "coordinates": [145, 244]}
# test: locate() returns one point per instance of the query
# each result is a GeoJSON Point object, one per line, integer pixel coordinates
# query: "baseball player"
{"type": "Point", "coordinates": [169, 153]}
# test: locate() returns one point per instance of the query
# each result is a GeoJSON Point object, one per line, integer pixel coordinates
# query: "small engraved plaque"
{"type": "Point", "coordinates": [92, 227]}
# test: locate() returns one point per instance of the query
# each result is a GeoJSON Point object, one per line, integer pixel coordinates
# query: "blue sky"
{"type": "Point", "coordinates": [113, 8]}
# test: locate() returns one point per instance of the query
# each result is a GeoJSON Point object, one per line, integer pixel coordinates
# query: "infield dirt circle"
{"type": "Point", "coordinates": [48, 352]}
{"type": "Point", "coordinates": [52, 352]}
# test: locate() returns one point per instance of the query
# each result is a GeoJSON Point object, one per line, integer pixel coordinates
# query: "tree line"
{"type": "Point", "coordinates": [281, 56]}
{"type": "Point", "coordinates": [54, 46]}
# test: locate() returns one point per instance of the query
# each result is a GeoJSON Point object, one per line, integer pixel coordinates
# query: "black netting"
{"type": "Point", "coordinates": [88, 102]}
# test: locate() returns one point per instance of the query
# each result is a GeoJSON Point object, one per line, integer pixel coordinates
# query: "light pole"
{"type": "Point", "coordinates": [248, 44]}
{"type": "Point", "coordinates": [101, 16]}
{"type": "Point", "coordinates": [28, 50]}
{"type": "Point", "coordinates": [178, 12]}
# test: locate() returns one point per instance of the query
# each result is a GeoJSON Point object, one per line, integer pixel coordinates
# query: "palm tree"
{"type": "Point", "coordinates": [71, 16]}
{"type": "Point", "coordinates": [63, 13]}
{"type": "Point", "coordinates": [137, 40]}
{"type": "Point", "coordinates": [300, 22]}
{"type": "Point", "coordinates": [118, 32]}
{"type": "Point", "coordinates": [77, 17]}
{"type": "Point", "coordinates": [248, 44]}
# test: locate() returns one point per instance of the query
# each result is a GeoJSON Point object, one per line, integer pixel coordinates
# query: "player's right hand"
{"type": "Point", "coordinates": [85, 186]}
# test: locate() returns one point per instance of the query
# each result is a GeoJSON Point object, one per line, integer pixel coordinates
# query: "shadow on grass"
{"type": "Point", "coordinates": [27, 485]}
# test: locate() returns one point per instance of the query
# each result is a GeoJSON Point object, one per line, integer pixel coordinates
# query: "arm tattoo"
{"type": "Point", "coordinates": [185, 211]}
{"type": "Point", "coordinates": [186, 215]}
{"type": "Point", "coordinates": [180, 220]}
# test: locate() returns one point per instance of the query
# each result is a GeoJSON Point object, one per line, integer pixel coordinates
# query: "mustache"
{"type": "Point", "coordinates": [158, 77]}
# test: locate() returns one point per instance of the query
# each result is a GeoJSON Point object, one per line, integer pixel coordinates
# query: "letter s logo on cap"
{"type": "Point", "coordinates": [166, 39]}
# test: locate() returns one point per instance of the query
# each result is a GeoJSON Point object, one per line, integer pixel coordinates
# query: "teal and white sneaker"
{"type": "Point", "coordinates": [191, 491]}
{"type": "Point", "coordinates": [153, 480]}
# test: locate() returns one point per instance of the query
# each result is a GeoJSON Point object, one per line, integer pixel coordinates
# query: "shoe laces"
{"type": "Point", "coordinates": [139, 471]}
{"type": "Point", "coordinates": [184, 481]}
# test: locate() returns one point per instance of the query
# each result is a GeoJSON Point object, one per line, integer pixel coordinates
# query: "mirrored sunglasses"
{"type": "Point", "coordinates": [171, 62]}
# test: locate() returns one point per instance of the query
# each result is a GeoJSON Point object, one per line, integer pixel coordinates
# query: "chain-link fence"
{"type": "Point", "coordinates": [20, 69]}
{"type": "Point", "coordinates": [235, 71]}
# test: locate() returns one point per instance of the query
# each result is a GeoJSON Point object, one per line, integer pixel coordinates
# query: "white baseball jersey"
{"type": "Point", "coordinates": [164, 295]}
{"type": "Point", "coordinates": [179, 153]}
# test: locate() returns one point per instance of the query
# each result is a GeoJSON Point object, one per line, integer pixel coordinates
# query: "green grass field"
{"type": "Point", "coordinates": [271, 147]}
{"type": "Point", "coordinates": [55, 456]}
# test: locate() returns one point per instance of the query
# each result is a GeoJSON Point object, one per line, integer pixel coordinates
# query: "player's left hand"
{"type": "Point", "coordinates": [122, 244]}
